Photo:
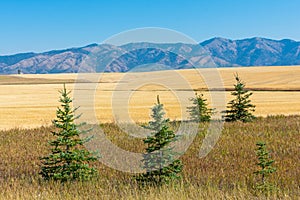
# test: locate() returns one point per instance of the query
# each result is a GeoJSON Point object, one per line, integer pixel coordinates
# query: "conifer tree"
{"type": "Point", "coordinates": [240, 108]}
{"type": "Point", "coordinates": [159, 161]}
{"type": "Point", "coordinates": [68, 159]}
{"type": "Point", "coordinates": [200, 112]}
{"type": "Point", "coordinates": [265, 164]}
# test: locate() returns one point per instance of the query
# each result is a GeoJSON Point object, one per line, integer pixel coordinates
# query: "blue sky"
{"type": "Point", "coordinates": [41, 25]}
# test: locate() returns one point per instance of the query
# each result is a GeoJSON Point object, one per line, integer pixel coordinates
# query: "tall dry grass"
{"type": "Point", "coordinates": [226, 173]}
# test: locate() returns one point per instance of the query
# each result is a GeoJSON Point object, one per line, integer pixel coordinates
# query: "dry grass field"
{"type": "Point", "coordinates": [31, 100]}
{"type": "Point", "coordinates": [28, 101]}
{"type": "Point", "coordinates": [225, 173]}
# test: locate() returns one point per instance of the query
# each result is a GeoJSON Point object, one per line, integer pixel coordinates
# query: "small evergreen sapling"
{"type": "Point", "coordinates": [68, 159]}
{"type": "Point", "coordinates": [240, 108]}
{"type": "Point", "coordinates": [159, 162]}
{"type": "Point", "coordinates": [266, 168]}
{"type": "Point", "coordinates": [200, 112]}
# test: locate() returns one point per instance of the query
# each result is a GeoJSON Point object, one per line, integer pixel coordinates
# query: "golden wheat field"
{"type": "Point", "coordinates": [31, 100]}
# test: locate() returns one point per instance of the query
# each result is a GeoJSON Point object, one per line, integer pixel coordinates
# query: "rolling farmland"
{"type": "Point", "coordinates": [30, 100]}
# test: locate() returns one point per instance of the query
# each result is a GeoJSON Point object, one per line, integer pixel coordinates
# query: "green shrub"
{"type": "Point", "coordinates": [200, 112]}
{"type": "Point", "coordinates": [266, 168]}
{"type": "Point", "coordinates": [68, 159]}
{"type": "Point", "coordinates": [159, 161]}
{"type": "Point", "coordinates": [240, 108]}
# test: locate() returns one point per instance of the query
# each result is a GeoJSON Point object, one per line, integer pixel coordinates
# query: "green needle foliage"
{"type": "Point", "coordinates": [200, 112]}
{"type": "Point", "coordinates": [68, 159]}
{"type": "Point", "coordinates": [265, 164]}
{"type": "Point", "coordinates": [240, 108]}
{"type": "Point", "coordinates": [159, 161]}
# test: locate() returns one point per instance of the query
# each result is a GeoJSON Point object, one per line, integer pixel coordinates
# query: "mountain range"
{"type": "Point", "coordinates": [215, 52]}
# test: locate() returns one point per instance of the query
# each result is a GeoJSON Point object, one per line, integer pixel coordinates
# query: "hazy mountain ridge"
{"type": "Point", "coordinates": [253, 52]}
{"type": "Point", "coordinates": [218, 52]}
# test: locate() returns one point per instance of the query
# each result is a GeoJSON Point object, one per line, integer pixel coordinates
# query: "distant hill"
{"type": "Point", "coordinates": [216, 52]}
{"type": "Point", "coordinates": [253, 52]}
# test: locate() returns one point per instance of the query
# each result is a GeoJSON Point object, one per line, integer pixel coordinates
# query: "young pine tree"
{"type": "Point", "coordinates": [265, 164]}
{"type": "Point", "coordinates": [159, 161]}
{"type": "Point", "coordinates": [200, 112]}
{"type": "Point", "coordinates": [240, 108]}
{"type": "Point", "coordinates": [68, 159]}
